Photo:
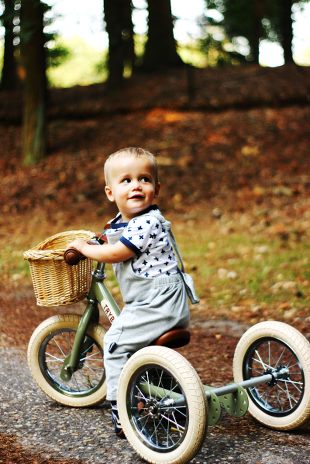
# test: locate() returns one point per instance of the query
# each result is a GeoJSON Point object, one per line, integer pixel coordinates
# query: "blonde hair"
{"type": "Point", "coordinates": [135, 152]}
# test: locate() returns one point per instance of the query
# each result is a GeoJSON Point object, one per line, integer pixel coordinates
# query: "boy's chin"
{"type": "Point", "coordinates": [134, 211]}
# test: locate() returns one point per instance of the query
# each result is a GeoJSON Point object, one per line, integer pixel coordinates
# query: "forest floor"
{"type": "Point", "coordinates": [233, 151]}
{"type": "Point", "coordinates": [238, 176]}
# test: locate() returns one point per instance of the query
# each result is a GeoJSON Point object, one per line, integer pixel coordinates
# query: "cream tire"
{"type": "Point", "coordinates": [173, 435]}
{"type": "Point", "coordinates": [267, 347]}
{"type": "Point", "coordinates": [49, 345]}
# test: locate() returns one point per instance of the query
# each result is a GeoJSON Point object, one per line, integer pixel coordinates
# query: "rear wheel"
{"type": "Point", "coordinates": [272, 348]}
{"type": "Point", "coordinates": [162, 406]}
{"type": "Point", "coordinates": [49, 346]}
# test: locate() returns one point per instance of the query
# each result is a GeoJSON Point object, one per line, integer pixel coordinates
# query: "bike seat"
{"type": "Point", "coordinates": [174, 338]}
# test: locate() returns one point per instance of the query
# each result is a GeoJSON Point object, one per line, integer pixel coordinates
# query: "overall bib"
{"type": "Point", "coordinates": [152, 307]}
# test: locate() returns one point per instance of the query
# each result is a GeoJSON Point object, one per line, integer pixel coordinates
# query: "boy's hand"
{"type": "Point", "coordinates": [105, 253]}
{"type": "Point", "coordinates": [77, 244]}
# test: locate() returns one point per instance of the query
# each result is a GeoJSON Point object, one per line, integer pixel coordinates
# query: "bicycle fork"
{"type": "Point", "coordinates": [81, 343]}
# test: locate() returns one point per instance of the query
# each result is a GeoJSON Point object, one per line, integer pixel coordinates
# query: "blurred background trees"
{"type": "Point", "coordinates": [33, 66]}
{"type": "Point", "coordinates": [9, 79]}
{"type": "Point", "coordinates": [231, 33]}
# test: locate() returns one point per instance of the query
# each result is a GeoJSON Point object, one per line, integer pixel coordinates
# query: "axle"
{"type": "Point", "coordinates": [167, 398]}
{"type": "Point", "coordinates": [266, 378]}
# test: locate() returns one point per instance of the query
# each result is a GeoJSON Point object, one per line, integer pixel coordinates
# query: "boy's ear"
{"type": "Point", "coordinates": [108, 192]}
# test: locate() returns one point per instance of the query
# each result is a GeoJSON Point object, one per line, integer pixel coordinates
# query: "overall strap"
{"type": "Point", "coordinates": [187, 279]}
{"type": "Point", "coordinates": [176, 250]}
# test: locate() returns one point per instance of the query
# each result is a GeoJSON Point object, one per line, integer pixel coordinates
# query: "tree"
{"type": "Point", "coordinates": [119, 27]}
{"type": "Point", "coordinates": [160, 49]}
{"type": "Point", "coordinates": [34, 84]}
{"type": "Point", "coordinates": [9, 78]}
{"type": "Point", "coordinates": [281, 25]}
{"type": "Point", "coordinates": [286, 29]}
{"type": "Point", "coordinates": [242, 18]}
{"type": "Point", "coordinates": [258, 19]}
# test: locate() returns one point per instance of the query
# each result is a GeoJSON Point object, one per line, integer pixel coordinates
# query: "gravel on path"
{"type": "Point", "coordinates": [35, 430]}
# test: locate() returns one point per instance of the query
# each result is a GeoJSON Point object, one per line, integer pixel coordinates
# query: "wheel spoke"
{"type": "Point", "coordinates": [162, 427]}
{"type": "Point", "coordinates": [277, 363]}
{"type": "Point", "coordinates": [59, 347]}
{"type": "Point", "coordinates": [270, 355]}
{"type": "Point", "coordinates": [90, 371]}
{"type": "Point", "coordinates": [294, 384]}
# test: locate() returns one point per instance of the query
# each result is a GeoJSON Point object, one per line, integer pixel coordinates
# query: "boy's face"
{"type": "Point", "coordinates": [132, 185]}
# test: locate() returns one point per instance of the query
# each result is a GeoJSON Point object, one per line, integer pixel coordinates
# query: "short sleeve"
{"type": "Point", "coordinates": [141, 233]}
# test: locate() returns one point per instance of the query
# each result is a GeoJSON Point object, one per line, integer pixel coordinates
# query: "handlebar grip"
{"type": "Point", "coordinates": [73, 256]}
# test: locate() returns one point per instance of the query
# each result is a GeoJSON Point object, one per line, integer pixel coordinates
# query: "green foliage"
{"type": "Point", "coordinates": [57, 54]}
{"type": "Point", "coordinates": [236, 21]}
{"type": "Point", "coordinates": [220, 52]}
{"type": "Point", "coordinates": [192, 54]}
{"type": "Point", "coordinates": [83, 64]}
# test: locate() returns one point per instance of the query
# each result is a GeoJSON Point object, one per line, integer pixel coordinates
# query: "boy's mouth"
{"type": "Point", "coordinates": [137, 197]}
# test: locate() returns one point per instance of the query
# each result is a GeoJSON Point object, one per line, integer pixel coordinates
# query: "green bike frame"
{"type": "Point", "coordinates": [232, 398]}
{"type": "Point", "coordinates": [98, 294]}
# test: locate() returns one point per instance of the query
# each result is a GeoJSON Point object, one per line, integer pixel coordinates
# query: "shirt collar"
{"type": "Point", "coordinates": [115, 224]}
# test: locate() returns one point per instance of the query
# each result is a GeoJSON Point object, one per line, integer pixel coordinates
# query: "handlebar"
{"type": "Point", "coordinates": [73, 256]}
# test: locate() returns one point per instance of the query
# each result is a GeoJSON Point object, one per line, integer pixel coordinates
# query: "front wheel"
{"type": "Point", "coordinates": [49, 346]}
{"type": "Point", "coordinates": [162, 406]}
{"type": "Point", "coordinates": [273, 348]}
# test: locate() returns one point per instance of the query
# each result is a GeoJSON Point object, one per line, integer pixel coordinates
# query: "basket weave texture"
{"type": "Point", "coordinates": [55, 283]}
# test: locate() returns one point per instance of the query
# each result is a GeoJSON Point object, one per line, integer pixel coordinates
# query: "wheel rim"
{"type": "Point", "coordinates": [161, 425]}
{"type": "Point", "coordinates": [281, 396]}
{"type": "Point", "coordinates": [90, 374]}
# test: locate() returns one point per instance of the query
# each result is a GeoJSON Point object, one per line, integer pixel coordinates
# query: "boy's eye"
{"type": "Point", "coordinates": [145, 179]}
{"type": "Point", "coordinates": [126, 180]}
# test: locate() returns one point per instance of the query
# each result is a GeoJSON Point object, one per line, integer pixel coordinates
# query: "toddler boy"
{"type": "Point", "coordinates": [140, 248]}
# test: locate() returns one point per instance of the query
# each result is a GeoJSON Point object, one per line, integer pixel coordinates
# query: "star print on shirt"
{"type": "Point", "coordinates": [148, 238]}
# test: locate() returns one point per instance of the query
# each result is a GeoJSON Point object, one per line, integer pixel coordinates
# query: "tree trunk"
{"type": "Point", "coordinates": [9, 78]}
{"type": "Point", "coordinates": [257, 14]}
{"type": "Point", "coordinates": [119, 27]}
{"type": "Point", "coordinates": [33, 62]}
{"type": "Point", "coordinates": [286, 29]}
{"type": "Point", "coordinates": [160, 49]}
{"type": "Point", "coordinates": [128, 35]}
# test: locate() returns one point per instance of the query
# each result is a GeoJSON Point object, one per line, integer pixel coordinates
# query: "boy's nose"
{"type": "Point", "coordinates": [136, 185]}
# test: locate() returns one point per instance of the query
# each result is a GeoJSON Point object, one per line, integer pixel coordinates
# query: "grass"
{"type": "Point", "coordinates": [241, 268]}
{"type": "Point", "coordinates": [234, 269]}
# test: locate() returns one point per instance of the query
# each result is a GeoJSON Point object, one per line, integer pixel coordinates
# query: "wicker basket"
{"type": "Point", "coordinates": [56, 283]}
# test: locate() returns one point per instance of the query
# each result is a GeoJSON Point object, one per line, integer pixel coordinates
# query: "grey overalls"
{"type": "Point", "coordinates": [152, 306]}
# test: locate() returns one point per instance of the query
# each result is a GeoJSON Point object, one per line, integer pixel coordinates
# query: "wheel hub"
{"type": "Point", "coordinates": [279, 373]}
{"type": "Point", "coordinates": [151, 408]}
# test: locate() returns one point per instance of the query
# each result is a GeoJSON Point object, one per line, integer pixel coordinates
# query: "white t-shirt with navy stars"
{"type": "Point", "coordinates": [148, 237]}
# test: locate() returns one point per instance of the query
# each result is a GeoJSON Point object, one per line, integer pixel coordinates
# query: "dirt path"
{"type": "Point", "coordinates": [34, 430]}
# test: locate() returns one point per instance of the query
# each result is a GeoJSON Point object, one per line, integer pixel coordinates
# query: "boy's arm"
{"type": "Point", "coordinates": [106, 253]}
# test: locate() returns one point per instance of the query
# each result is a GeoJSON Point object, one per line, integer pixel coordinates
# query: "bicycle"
{"type": "Point", "coordinates": [164, 408]}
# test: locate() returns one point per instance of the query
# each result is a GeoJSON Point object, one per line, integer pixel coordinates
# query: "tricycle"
{"type": "Point", "coordinates": [164, 408]}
